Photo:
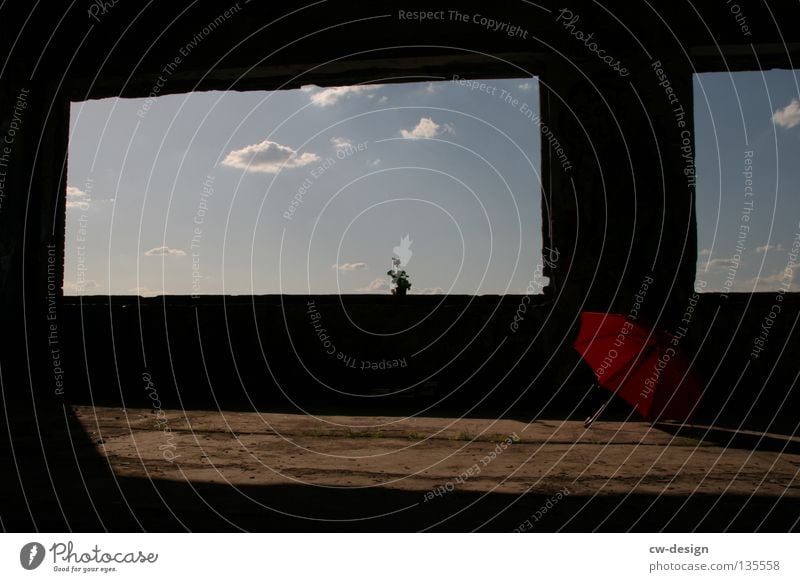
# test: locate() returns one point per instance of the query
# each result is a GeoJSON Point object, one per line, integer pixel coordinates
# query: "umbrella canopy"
{"type": "Point", "coordinates": [641, 365]}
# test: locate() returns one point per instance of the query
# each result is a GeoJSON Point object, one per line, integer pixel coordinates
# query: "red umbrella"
{"type": "Point", "coordinates": [643, 366]}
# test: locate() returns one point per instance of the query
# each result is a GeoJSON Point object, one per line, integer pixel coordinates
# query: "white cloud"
{"type": "Point", "coordinates": [375, 286]}
{"type": "Point", "coordinates": [85, 287]}
{"type": "Point", "coordinates": [526, 86]}
{"type": "Point", "coordinates": [768, 248]}
{"type": "Point", "coordinates": [374, 163]}
{"type": "Point", "coordinates": [77, 198]}
{"type": "Point", "coordinates": [144, 291]}
{"type": "Point", "coordinates": [430, 89]}
{"type": "Point", "coordinates": [349, 266]}
{"type": "Point", "coordinates": [427, 291]}
{"type": "Point", "coordinates": [341, 142]}
{"type": "Point", "coordinates": [165, 251]}
{"type": "Point", "coordinates": [778, 277]}
{"type": "Point", "coordinates": [772, 282]}
{"type": "Point", "coordinates": [267, 156]}
{"type": "Point", "coordinates": [383, 99]}
{"type": "Point", "coordinates": [720, 263]}
{"type": "Point", "coordinates": [704, 253]}
{"type": "Point", "coordinates": [426, 128]}
{"type": "Point", "coordinates": [788, 116]}
{"type": "Point", "coordinates": [331, 95]}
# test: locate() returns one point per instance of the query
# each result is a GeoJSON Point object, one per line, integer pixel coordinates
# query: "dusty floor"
{"type": "Point", "coordinates": [421, 454]}
{"type": "Point", "coordinates": [110, 469]}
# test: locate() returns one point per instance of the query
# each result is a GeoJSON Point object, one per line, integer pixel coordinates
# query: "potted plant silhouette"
{"type": "Point", "coordinates": [400, 282]}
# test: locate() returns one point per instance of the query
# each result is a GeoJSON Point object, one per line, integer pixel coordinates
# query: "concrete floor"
{"type": "Point", "coordinates": [443, 467]}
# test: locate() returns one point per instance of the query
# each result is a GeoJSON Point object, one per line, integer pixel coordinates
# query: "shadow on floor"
{"type": "Point", "coordinates": [67, 486]}
{"type": "Point", "coordinates": [737, 439]}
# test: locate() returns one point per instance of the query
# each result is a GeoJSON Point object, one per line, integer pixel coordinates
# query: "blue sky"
{"type": "Point", "coordinates": [310, 190]}
{"type": "Point", "coordinates": [736, 114]}
{"type": "Point", "coordinates": [306, 190]}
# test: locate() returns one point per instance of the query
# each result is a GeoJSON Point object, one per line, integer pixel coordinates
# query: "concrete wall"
{"type": "Point", "coordinates": [620, 214]}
